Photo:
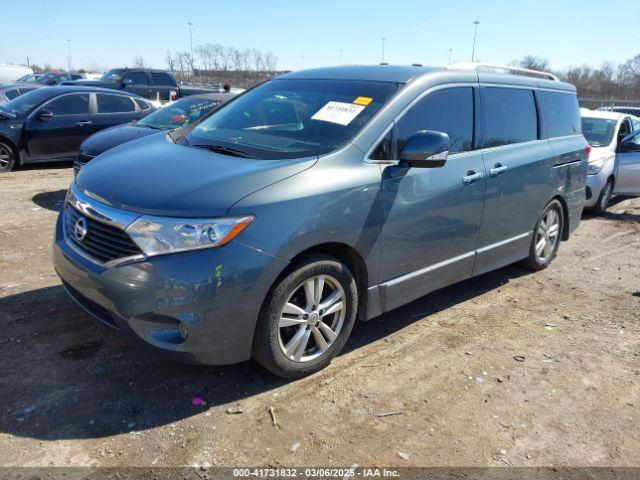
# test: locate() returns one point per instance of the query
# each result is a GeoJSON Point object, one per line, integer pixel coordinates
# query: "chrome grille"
{"type": "Point", "coordinates": [102, 242]}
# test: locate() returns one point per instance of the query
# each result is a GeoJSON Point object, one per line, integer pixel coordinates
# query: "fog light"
{"type": "Point", "coordinates": [184, 331]}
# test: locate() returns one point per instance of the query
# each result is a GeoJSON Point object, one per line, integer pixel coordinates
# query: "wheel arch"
{"type": "Point", "coordinates": [344, 253]}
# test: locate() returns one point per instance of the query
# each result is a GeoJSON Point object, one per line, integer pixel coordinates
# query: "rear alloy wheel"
{"type": "Point", "coordinates": [307, 319]}
{"type": "Point", "coordinates": [7, 158]}
{"type": "Point", "coordinates": [546, 237]}
{"type": "Point", "coordinates": [603, 200]}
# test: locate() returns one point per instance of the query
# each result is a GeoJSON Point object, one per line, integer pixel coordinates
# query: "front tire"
{"type": "Point", "coordinates": [307, 318]}
{"type": "Point", "coordinates": [7, 158]}
{"type": "Point", "coordinates": [603, 200]}
{"type": "Point", "coordinates": [546, 237]}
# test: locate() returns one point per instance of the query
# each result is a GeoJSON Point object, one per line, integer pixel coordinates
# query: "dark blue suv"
{"type": "Point", "coordinates": [317, 198]}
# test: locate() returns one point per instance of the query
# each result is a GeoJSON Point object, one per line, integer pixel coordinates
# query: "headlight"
{"type": "Point", "coordinates": [160, 235]}
{"type": "Point", "coordinates": [596, 165]}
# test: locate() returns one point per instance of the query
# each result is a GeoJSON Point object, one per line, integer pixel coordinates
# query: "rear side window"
{"type": "Point", "coordinates": [114, 104]}
{"type": "Point", "coordinates": [11, 94]}
{"type": "Point", "coordinates": [560, 114]}
{"type": "Point", "coordinates": [449, 111]}
{"type": "Point", "coordinates": [74, 104]}
{"type": "Point", "coordinates": [511, 116]}
{"type": "Point", "coordinates": [162, 79]}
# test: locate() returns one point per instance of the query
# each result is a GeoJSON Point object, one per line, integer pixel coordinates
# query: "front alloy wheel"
{"type": "Point", "coordinates": [7, 158]}
{"type": "Point", "coordinates": [311, 318]}
{"type": "Point", "coordinates": [307, 317]}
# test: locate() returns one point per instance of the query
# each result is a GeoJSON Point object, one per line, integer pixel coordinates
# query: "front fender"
{"type": "Point", "coordinates": [338, 200]}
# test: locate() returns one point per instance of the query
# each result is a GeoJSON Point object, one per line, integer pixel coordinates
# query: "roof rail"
{"type": "Point", "coordinates": [504, 68]}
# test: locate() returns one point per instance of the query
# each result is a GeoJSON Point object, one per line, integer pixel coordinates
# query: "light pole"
{"type": "Point", "coordinates": [340, 56]}
{"type": "Point", "coordinates": [69, 62]}
{"type": "Point", "coordinates": [383, 40]}
{"type": "Point", "coordinates": [301, 62]}
{"type": "Point", "coordinates": [475, 33]}
{"type": "Point", "coordinates": [190, 24]}
{"type": "Point", "coordinates": [450, 52]}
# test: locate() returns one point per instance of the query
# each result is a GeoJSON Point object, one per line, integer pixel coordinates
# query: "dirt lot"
{"type": "Point", "coordinates": [443, 368]}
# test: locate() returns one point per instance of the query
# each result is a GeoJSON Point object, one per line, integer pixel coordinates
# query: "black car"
{"type": "Point", "coordinates": [178, 114]}
{"type": "Point", "coordinates": [52, 79]}
{"type": "Point", "coordinates": [13, 90]}
{"type": "Point", "coordinates": [50, 123]}
{"type": "Point", "coordinates": [149, 83]}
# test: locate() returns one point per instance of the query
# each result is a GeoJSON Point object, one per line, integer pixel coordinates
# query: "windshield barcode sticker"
{"type": "Point", "coordinates": [338, 112]}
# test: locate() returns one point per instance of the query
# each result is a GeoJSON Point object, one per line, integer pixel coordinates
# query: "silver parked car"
{"type": "Point", "coordinates": [614, 162]}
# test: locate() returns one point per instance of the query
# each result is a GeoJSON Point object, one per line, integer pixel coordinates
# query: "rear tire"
{"type": "Point", "coordinates": [546, 237]}
{"type": "Point", "coordinates": [603, 200]}
{"type": "Point", "coordinates": [7, 158]}
{"type": "Point", "coordinates": [306, 318]}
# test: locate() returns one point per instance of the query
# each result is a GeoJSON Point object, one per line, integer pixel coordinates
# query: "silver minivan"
{"type": "Point", "coordinates": [322, 196]}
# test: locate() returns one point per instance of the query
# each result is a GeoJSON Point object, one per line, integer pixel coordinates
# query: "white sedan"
{"type": "Point", "coordinates": [614, 162]}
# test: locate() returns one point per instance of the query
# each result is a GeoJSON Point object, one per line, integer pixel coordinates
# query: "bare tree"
{"type": "Point", "coordinates": [532, 63]}
{"type": "Point", "coordinates": [171, 63]}
{"type": "Point", "coordinates": [216, 63]}
{"type": "Point", "coordinates": [139, 62]}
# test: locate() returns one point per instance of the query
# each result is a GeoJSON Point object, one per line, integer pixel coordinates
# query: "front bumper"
{"type": "Point", "coordinates": [596, 183]}
{"type": "Point", "coordinates": [197, 307]}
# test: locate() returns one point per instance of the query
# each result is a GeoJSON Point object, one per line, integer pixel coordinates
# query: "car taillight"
{"type": "Point", "coordinates": [587, 149]}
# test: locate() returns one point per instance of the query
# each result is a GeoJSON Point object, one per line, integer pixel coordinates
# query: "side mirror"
{"type": "Point", "coordinates": [44, 115]}
{"type": "Point", "coordinates": [627, 144]}
{"type": "Point", "coordinates": [426, 149]}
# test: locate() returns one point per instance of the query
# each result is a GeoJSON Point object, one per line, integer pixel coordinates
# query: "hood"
{"type": "Point", "coordinates": [157, 177]}
{"type": "Point", "coordinates": [112, 137]}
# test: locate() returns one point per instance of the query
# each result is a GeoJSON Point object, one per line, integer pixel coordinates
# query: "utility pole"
{"type": "Point", "coordinates": [383, 40]}
{"type": "Point", "coordinates": [475, 33]}
{"type": "Point", "coordinates": [301, 62]}
{"type": "Point", "coordinates": [340, 56]}
{"type": "Point", "coordinates": [69, 62]}
{"type": "Point", "coordinates": [450, 52]}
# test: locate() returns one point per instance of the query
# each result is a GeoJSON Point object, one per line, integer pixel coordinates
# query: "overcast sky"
{"type": "Point", "coordinates": [111, 33]}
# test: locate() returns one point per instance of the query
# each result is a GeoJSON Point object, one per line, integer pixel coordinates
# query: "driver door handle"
{"type": "Point", "coordinates": [84, 123]}
{"type": "Point", "coordinates": [497, 170]}
{"type": "Point", "coordinates": [471, 177]}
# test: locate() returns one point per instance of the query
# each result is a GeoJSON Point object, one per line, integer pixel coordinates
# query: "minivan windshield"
{"type": "Point", "coordinates": [292, 118]}
{"type": "Point", "coordinates": [598, 131]}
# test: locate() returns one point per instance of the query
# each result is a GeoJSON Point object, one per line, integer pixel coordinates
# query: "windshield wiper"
{"type": "Point", "coordinates": [225, 150]}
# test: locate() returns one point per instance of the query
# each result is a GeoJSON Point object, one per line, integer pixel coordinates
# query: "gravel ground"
{"type": "Point", "coordinates": [511, 368]}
